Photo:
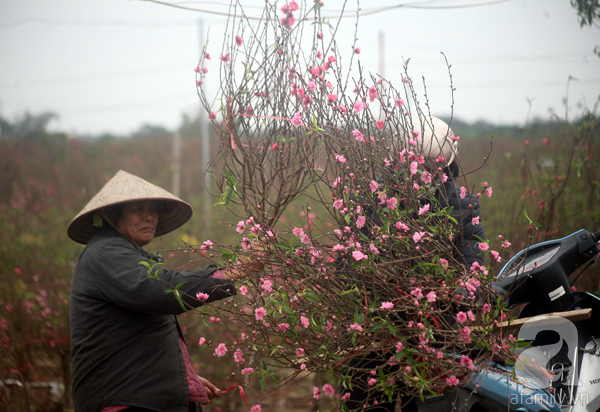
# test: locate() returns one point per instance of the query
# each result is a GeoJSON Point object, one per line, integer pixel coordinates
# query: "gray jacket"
{"type": "Point", "coordinates": [124, 333]}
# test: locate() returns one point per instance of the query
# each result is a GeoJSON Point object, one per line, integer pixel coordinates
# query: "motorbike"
{"type": "Point", "coordinates": [559, 369]}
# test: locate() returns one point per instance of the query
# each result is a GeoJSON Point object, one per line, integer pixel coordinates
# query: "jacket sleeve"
{"type": "Point", "coordinates": [121, 278]}
{"type": "Point", "coordinates": [471, 234]}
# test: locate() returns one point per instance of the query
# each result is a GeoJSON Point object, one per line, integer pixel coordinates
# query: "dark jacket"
{"type": "Point", "coordinates": [464, 210]}
{"type": "Point", "coordinates": [124, 333]}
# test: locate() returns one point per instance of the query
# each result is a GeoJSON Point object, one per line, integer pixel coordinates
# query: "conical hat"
{"type": "Point", "coordinates": [122, 188]}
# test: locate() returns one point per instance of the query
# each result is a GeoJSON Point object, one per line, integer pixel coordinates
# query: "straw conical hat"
{"type": "Point", "coordinates": [122, 188]}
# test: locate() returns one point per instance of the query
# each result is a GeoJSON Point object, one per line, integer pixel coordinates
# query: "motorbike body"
{"type": "Point", "coordinates": [560, 370]}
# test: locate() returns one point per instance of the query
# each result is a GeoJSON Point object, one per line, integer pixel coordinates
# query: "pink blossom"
{"type": "Point", "coordinates": [225, 58]}
{"type": "Point", "coordinates": [332, 97]}
{"type": "Point", "coordinates": [483, 246]}
{"type": "Point", "coordinates": [256, 408]}
{"type": "Point", "coordinates": [358, 135]}
{"type": "Point", "coordinates": [243, 290]}
{"type": "Point", "coordinates": [297, 120]}
{"type": "Point", "coordinates": [468, 362]}
{"type": "Point", "coordinates": [247, 371]}
{"type": "Point", "coordinates": [372, 381]}
{"type": "Point", "coordinates": [372, 93]}
{"type": "Point", "coordinates": [221, 350]}
{"type": "Point", "coordinates": [402, 226]}
{"type": "Point", "coordinates": [463, 192]}
{"type": "Point", "coordinates": [360, 222]}
{"type": "Point", "coordinates": [297, 231]}
{"type": "Point", "coordinates": [338, 204]}
{"type": "Point", "coordinates": [300, 352]}
{"type": "Point", "coordinates": [207, 245]}
{"type": "Point", "coordinates": [288, 21]}
{"type": "Point", "coordinates": [358, 255]}
{"type": "Point", "coordinates": [443, 263]}
{"type": "Point", "coordinates": [417, 236]}
{"type": "Point", "coordinates": [238, 356]}
{"type": "Point", "coordinates": [359, 106]}
{"type": "Point", "coordinates": [392, 202]}
{"type": "Point", "coordinates": [506, 244]}
{"type": "Point", "coordinates": [373, 249]}
{"type": "Point", "coordinates": [488, 192]}
{"type": "Point", "coordinates": [424, 209]}
{"type": "Point", "coordinates": [486, 308]}
{"type": "Point", "coordinates": [305, 321]}
{"type": "Point", "coordinates": [431, 296]}
{"type": "Point", "coordinates": [387, 305]}
{"type": "Point", "coordinates": [417, 293]}
{"type": "Point", "coordinates": [294, 5]}
{"type": "Point", "coordinates": [316, 393]}
{"type": "Point", "coordinates": [212, 115]}
{"type": "Point", "coordinates": [329, 391]}
{"type": "Point", "coordinates": [461, 317]}
{"type": "Point", "coordinates": [356, 327]}
{"type": "Point", "coordinates": [240, 227]}
{"type": "Point", "coordinates": [311, 85]}
{"type": "Point", "coordinates": [475, 221]}
{"type": "Point", "coordinates": [374, 186]}
{"type": "Point", "coordinates": [207, 55]}
{"type": "Point", "coordinates": [399, 102]}
{"type": "Point", "coordinates": [357, 50]}
{"type": "Point", "coordinates": [283, 327]}
{"type": "Point", "coordinates": [399, 346]}
{"type": "Point", "coordinates": [380, 124]}
{"type": "Point", "coordinates": [452, 381]}
{"type": "Point", "coordinates": [201, 296]}
{"type": "Point", "coordinates": [496, 256]}
{"type": "Point", "coordinates": [465, 331]}
{"type": "Point", "coordinates": [413, 168]}
{"type": "Point", "coordinates": [346, 396]}
{"type": "Point", "coordinates": [340, 159]}
{"type": "Point", "coordinates": [239, 40]}
{"type": "Point", "coordinates": [201, 341]}
{"type": "Point", "coordinates": [260, 313]}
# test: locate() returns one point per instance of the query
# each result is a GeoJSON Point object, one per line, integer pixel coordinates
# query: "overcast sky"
{"type": "Point", "coordinates": [113, 65]}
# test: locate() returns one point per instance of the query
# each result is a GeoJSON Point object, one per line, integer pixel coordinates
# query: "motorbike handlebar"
{"type": "Point", "coordinates": [596, 236]}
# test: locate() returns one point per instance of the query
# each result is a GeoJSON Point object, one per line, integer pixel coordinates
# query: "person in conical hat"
{"type": "Point", "coordinates": [127, 349]}
{"type": "Point", "coordinates": [125, 188]}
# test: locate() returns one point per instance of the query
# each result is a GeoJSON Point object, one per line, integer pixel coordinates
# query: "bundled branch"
{"type": "Point", "coordinates": [378, 273]}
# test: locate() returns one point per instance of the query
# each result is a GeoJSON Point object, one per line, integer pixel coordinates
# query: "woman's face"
{"type": "Point", "coordinates": [138, 221]}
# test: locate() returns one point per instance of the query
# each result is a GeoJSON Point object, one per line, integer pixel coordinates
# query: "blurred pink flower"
{"type": "Point", "coordinates": [243, 290]}
{"type": "Point", "coordinates": [212, 115]}
{"type": "Point", "coordinates": [372, 93]}
{"type": "Point", "coordinates": [239, 40]}
{"type": "Point", "coordinates": [201, 341]}
{"type": "Point", "coordinates": [483, 246]}
{"type": "Point", "coordinates": [358, 255]}
{"type": "Point", "coordinates": [329, 391]}
{"type": "Point", "coordinates": [387, 305]}
{"type": "Point", "coordinates": [221, 350]}
{"type": "Point", "coordinates": [332, 97]}
{"type": "Point", "coordinates": [305, 321]}
{"type": "Point", "coordinates": [402, 226]}
{"type": "Point", "coordinates": [256, 408]}
{"type": "Point", "coordinates": [431, 296]}
{"type": "Point", "coordinates": [424, 209]}
{"type": "Point", "coordinates": [201, 296]}
{"type": "Point", "coordinates": [380, 124]}
{"type": "Point", "coordinates": [297, 120]}
{"type": "Point", "coordinates": [316, 393]}
{"type": "Point", "coordinates": [452, 381]}
{"type": "Point", "coordinates": [247, 371]}
{"type": "Point", "coordinates": [260, 313]}
{"type": "Point", "coordinates": [359, 106]}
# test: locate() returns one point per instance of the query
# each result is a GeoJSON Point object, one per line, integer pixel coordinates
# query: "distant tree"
{"type": "Point", "coordinates": [588, 11]}
{"type": "Point", "coordinates": [28, 126]}
{"type": "Point", "coordinates": [151, 131]}
{"type": "Point", "coordinates": [589, 14]}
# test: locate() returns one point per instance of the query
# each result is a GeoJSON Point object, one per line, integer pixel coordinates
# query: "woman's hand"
{"type": "Point", "coordinates": [211, 390]}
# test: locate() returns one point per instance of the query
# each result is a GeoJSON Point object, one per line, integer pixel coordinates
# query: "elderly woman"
{"type": "Point", "coordinates": [128, 352]}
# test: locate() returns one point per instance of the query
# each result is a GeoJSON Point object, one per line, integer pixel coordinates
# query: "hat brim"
{"type": "Point", "coordinates": [124, 188]}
